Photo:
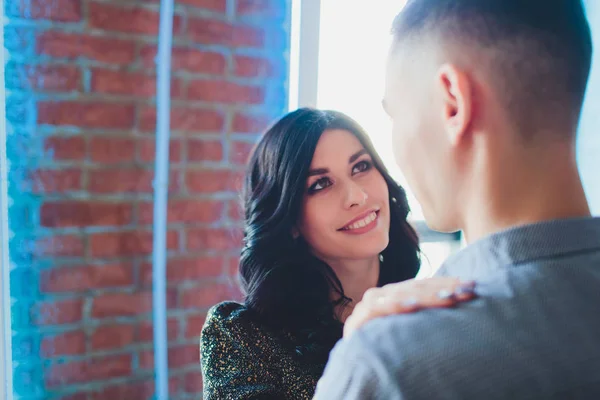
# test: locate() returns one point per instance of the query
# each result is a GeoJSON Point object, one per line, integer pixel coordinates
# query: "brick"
{"type": "Point", "coordinates": [146, 330]}
{"type": "Point", "coordinates": [186, 211]}
{"type": "Point", "coordinates": [123, 83]}
{"type": "Point", "coordinates": [216, 91]}
{"type": "Point", "coordinates": [214, 32]}
{"type": "Point", "coordinates": [254, 67]}
{"type": "Point", "coordinates": [234, 266]}
{"type": "Point", "coordinates": [74, 46]}
{"type": "Point", "coordinates": [181, 356]}
{"type": "Point", "coordinates": [59, 246]}
{"type": "Point", "coordinates": [240, 152]}
{"type": "Point", "coordinates": [212, 5]}
{"type": "Point", "coordinates": [54, 78]}
{"type": "Point", "coordinates": [55, 181]}
{"type": "Point", "coordinates": [235, 210]}
{"type": "Point", "coordinates": [127, 243]}
{"type": "Point", "coordinates": [188, 59]}
{"type": "Point", "coordinates": [75, 396]}
{"type": "Point", "coordinates": [126, 19]}
{"type": "Point", "coordinates": [65, 148]}
{"type": "Point", "coordinates": [146, 359]}
{"type": "Point", "coordinates": [18, 39]}
{"type": "Point", "coordinates": [208, 295]}
{"type": "Point", "coordinates": [127, 304]}
{"type": "Point", "coordinates": [95, 369]}
{"type": "Point", "coordinates": [212, 181]}
{"type": "Point", "coordinates": [86, 114]}
{"type": "Point", "coordinates": [53, 10]}
{"type": "Point", "coordinates": [130, 84]}
{"type": "Point", "coordinates": [214, 239]}
{"type": "Point", "coordinates": [193, 325]}
{"type": "Point", "coordinates": [181, 270]}
{"type": "Point", "coordinates": [193, 383]}
{"type": "Point", "coordinates": [204, 150]}
{"type": "Point", "coordinates": [111, 149]}
{"type": "Point", "coordinates": [132, 390]}
{"type": "Point", "coordinates": [112, 337]}
{"type": "Point", "coordinates": [244, 123]}
{"type": "Point", "coordinates": [245, 36]}
{"type": "Point", "coordinates": [80, 279]}
{"type": "Point", "coordinates": [58, 312]}
{"type": "Point", "coordinates": [207, 31]}
{"type": "Point", "coordinates": [147, 150]}
{"type": "Point", "coordinates": [84, 213]}
{"type": "Point", "coordinates": [63, 344]}
{"type": "Point", "coordinates": [22, 347]}
{"type": "Point", "coordinates": [121, 304]}
{"type": "Point", "coordinates": [121, 180]}
{"type": "Point", "coordinates": [266, 8]}
{"type": "Point", "coordinates": [127, 180]}
{"type": "Point", "coordinates": [185, 119]}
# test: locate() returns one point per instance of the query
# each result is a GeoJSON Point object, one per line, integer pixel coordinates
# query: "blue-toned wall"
{"type": "Point", "coordinates": [80, 80]}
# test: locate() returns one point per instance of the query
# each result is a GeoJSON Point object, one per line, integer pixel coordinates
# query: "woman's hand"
{"type": "Point", "coordinates": [407, 297]}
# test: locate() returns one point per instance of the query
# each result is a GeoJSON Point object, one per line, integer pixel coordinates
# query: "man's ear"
{"type": "Point", "coordinates": [457, 95]}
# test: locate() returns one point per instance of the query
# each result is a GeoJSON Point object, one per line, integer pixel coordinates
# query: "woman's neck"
{"type": "Point", "coordinates": [356, 277]}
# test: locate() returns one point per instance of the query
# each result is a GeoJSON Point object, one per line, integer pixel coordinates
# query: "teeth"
{"type": "Point", "coordinates": [363, 222]}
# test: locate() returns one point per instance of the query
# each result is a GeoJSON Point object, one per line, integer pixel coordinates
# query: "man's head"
{"type": "Point", "coordinates": [467, 78]}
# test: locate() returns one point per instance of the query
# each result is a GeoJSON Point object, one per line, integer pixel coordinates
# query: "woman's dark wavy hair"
{"type": "Point", "coordinates": [284, 283]}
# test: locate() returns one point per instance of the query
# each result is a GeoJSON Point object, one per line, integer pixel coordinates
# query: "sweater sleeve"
{"type": "Point", "coordinates": [230, 367]}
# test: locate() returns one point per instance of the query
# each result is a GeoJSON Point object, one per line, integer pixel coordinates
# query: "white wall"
{"type": "Point", "coordinates": [589, 133]}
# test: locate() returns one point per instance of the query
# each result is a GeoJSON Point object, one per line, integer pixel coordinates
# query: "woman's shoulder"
{"type": "Point", "coordinates": [229, 314]}
{"type": "Point", "coordinates": [232, 321]}
{"type": "Point", "coordinates": [233, 328]}
{"type": "Point", "coordinates": [227, 311]}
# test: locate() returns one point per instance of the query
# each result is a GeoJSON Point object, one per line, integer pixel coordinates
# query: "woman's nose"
{"type": "Point", "coordinates": [355, 196]}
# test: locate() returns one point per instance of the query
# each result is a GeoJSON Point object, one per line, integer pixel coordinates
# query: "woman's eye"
{"type": "Point", "coordinates": [319, 185]}
{"type": "Point", "coordinates": [362, 166]}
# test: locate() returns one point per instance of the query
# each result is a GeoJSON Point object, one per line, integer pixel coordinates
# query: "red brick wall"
{"type": "Point", "coordinates": [81, 104]}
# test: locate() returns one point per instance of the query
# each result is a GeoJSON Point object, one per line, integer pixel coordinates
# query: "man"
{"type": "Point", "coordinates": [485, 97]}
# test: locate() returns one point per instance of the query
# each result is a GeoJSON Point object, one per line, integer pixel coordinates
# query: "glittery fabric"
{"type": "Point", "coordinates": [243, 360]}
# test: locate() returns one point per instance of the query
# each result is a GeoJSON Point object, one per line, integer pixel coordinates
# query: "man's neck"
{"type": "Point", "coordinates": [545, 186]}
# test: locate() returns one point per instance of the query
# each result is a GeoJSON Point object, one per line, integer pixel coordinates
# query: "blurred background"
{"type": "Point", "coordinates": [78, 153]}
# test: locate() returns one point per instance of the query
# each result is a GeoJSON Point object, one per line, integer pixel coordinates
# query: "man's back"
{"type": "Point", "coordinates": [534, 332]}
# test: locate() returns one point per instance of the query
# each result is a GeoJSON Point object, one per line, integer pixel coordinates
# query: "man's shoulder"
{"type": "Point", "coordinates": [428, 331]}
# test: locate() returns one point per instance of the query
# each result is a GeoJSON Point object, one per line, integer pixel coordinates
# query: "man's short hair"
{"type": "Point", "coordinates": [540, 49]}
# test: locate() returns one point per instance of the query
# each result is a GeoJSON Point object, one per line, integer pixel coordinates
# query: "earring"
{"type": "Point", "coordinates": [381, 257]}
{"type": "Point", "coordinates": [394, 200]}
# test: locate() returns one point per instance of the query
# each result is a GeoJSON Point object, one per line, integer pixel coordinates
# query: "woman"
{"type": "Point", "coordinates": [324, 223]}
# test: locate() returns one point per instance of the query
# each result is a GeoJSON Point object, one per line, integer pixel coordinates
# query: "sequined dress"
{"type": "Point", "coordinates": [242, 359]}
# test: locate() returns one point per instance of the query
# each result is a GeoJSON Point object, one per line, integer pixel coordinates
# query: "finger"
{"type": "Point", "coordinates": [435, 293]}
{"type": "Point", "coordinates": [367, 311]}
{"type": "Point", "coordinates": [361, 316]}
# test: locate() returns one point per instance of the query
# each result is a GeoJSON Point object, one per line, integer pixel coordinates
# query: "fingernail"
{"type": "Point", "coordinates": [445, 294]}
{"type": "Point", "coordinates": [412, 302]}
{"type": "Point", "coordinates": [464, 290]}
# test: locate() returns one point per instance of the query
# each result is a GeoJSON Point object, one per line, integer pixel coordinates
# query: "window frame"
{"type": "Point", "coordinates": [6, 383]}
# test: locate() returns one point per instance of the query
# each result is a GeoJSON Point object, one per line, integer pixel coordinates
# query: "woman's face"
{"type": "Point", "coordinates": [345, 212]}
